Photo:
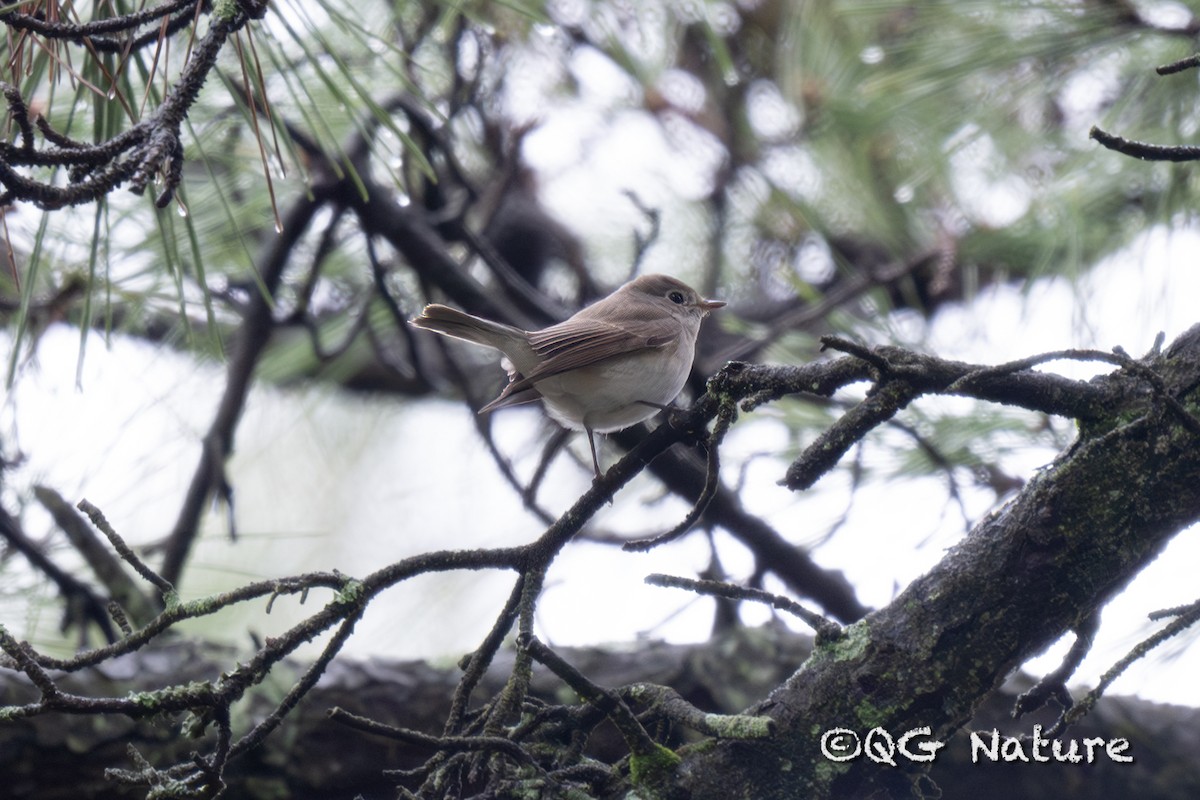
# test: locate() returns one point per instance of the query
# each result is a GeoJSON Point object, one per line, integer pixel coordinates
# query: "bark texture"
{"type": "Point", "coordinates": [1043, 565]}
{"type": "Point", "coordinates": [57, 757]}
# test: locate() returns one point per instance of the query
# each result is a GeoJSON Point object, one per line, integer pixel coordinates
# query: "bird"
{"type": "Point", "coordinates": [611, 365]}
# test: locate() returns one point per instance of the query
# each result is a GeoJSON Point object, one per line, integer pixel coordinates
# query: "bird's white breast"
{"type": "Point", "coordinates": [620, 391]}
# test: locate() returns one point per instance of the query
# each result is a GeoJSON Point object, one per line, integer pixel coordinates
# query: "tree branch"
{"type": "Point", "coordinates": [1047, 562]}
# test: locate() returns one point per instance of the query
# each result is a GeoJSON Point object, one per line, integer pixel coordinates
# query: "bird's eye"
{"type": "Point", "coordinates": [676, 297]}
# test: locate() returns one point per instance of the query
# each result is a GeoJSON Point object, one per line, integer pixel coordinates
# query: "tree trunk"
{"type": "Point", "coordinates": [1040, 567]}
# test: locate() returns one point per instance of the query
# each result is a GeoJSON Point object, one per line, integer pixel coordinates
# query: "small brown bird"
{"type": "Point", "coordinates": [613, 364]}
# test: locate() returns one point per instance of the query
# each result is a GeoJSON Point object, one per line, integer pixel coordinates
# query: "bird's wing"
{"type": "Point", "coordinates": [574, 344]}
{"type": "Point", "coordinates": [583, 342]}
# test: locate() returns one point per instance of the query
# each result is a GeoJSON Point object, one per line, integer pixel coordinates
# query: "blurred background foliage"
{"type": "Point", "coordinates": [825, 166]}
{"type": "Point", "coordinates": [822, 142]}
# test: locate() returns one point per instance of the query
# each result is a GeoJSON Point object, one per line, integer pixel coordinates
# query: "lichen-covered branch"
{"type": "Point", "coordinates": [150, 147]}
{"type": "Point", "coordinates": [1076, 534]}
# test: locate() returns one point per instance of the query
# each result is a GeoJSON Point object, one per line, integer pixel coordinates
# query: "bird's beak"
{"type": "Point", "coordinates": [710, 305]}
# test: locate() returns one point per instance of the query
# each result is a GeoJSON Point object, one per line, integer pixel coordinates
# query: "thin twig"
{"type": "Point", "coordinates": [712, 479]}
{"type": "Point", "coordinates": [642, 243]}
{"type": "Point", "coordinates": [668, 702]}
{"type": "Point", "coordinates": [1117, 357]}
{"type": "Point", "coordinates": [1054, 685]}
{"type": "Point", "coordinates": [635, 736]}
{"type": "Point", "coordinates": [826, 630]}
{"type": "Point", "coordinates": [452, 744]}
{"type": "Point", "coordinates": [97, 517]}
{"type": "Point", "coordinates": [481, 659]}
{"type": "Point", "coordinates": [1183, 621]}
{"type": "Point", "coordinates": [1190, 62]}
{"type": "Point", "coordinates": [1144, 150]}
{"type": "Point", "coordinates": [26, 661]}
{"type": "Point", "coordinates": [855, 349]}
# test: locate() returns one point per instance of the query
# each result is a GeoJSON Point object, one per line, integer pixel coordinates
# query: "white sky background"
{"type": "Point", "coordinates": [327, 481]}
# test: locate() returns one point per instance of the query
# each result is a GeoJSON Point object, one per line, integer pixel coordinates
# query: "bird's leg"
{"type": "Point", "coordinates": [592, 444]}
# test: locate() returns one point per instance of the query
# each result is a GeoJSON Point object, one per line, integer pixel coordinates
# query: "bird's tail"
{"type": "Point", "coordinates": [461, 325]}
